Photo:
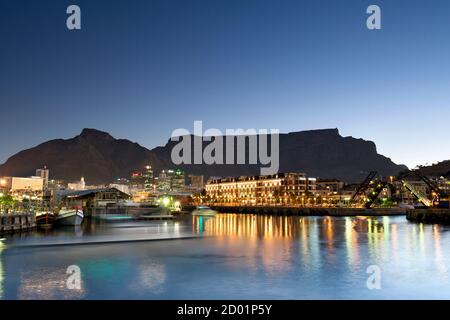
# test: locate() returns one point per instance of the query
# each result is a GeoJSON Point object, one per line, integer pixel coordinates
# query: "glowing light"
{"type": "Point", "coordinates": [165, 201]}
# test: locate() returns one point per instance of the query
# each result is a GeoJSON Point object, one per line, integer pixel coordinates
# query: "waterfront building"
{"type": "Point", "coordinates": [23, 187]}
{"type": "Point", "coordinates": [404, 195]}
{"type": "Point", "coordinates": [80, 185]}
{"type": "Point", "coordinates": [95, 201]}
{"type": "Point", "coordinates": [328, 187]}
{"type": "Point", "coordinates": [277, 189]}
{"type": "Point", "coordinates": [121, 187]}
{"type": "Point", "coordinates": [17, 184]}
{"type": "Point", "coordinates": [141, 196]}
{"type": "Point", "coordinates": [443, 183]}
{"type": "Point", "coordinates": [56, 184]}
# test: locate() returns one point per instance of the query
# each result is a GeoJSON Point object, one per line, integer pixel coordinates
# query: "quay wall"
{"type": "Point", "coordinates": [429, 215]}
{"type": "Point", "coordinates": [17, 222]}
{"type": "Point", "coordinates": [306, 211]}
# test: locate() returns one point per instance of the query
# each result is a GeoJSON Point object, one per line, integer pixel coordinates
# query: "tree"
{"type": "Point", "coordinates": [6, 203]}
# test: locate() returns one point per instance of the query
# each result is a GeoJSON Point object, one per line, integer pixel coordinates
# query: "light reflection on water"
{"type": "Point", "coordinates": [240, 257]}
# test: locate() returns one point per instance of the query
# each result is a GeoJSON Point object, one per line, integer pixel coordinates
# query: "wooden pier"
{"type": "Point", "coordinates": [17, 222]}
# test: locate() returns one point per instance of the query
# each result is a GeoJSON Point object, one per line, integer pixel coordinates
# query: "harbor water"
{"type": "Point", "coordinates": [230, 256]}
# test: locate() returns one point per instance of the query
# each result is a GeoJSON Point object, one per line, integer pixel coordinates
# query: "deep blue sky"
{"type": "Point", "coordinates": [140, 69]}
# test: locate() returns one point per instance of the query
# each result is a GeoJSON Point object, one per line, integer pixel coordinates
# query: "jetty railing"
{"type": "Point", "coordinates": [13, 221]}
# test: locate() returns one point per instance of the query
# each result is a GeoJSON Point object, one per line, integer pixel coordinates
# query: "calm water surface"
{"type": "Point", "coordinates": [231, 257]}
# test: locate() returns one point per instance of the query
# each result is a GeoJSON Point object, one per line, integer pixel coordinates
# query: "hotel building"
{"type": "Point", "coordinates": [17, 184]}
{"type": "Point", "coordinates": [277, 189]}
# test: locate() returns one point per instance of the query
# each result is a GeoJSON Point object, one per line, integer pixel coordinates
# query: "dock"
{"type": "Point", "coordinates": [157, 217]}
{"type": "Point", "coordinates": [17, 222]}
{"type": "Point", "coordinates": [429, 215]}
{"type": "Point", "coordinates": [309, 211]}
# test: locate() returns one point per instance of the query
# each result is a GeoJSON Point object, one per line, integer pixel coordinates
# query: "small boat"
{"type": "Point", "coordinates": [69, 217]}
{"type": "Point", "coordinates": [204, 211]}
{"type": "Point", "coordinates": [45, 220]}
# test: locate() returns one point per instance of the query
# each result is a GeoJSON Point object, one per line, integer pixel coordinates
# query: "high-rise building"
{"type": "Point", "coordinates": [44, 174]}
{"type": "Point", "coordinates": [163, 181]}
{"type": "Point", "coordinates": [177, 180]}
{"type": "Point", "coordinates": [148, 179]}
{"type": "Point", "coordinates": [170, 180]}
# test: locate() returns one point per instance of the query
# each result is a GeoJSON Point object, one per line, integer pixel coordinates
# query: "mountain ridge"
{"type": "Point", "coordinates": [101, 158]}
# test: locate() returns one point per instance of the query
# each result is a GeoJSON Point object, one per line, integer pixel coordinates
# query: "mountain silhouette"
{"type": "Point", "coordinates": [100, 158]}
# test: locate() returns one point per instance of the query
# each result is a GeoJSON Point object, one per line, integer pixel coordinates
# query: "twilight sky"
{"type": "Point", "coordinates": [140, 69]}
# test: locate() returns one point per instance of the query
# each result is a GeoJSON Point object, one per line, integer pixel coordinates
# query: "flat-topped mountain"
{"type": "Point", "coordinates": [100, 158]}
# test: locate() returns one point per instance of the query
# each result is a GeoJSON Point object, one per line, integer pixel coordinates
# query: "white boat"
{"type": "Point", "coordinates": [204, 211]}
{"type": "Point", "coordinates": [69, 217]}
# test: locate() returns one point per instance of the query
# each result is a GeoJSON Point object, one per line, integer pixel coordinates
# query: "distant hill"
{"type": "Point", "coordinates": [100, 158]}
{"type": "Point", "coordinates": [437, 170]}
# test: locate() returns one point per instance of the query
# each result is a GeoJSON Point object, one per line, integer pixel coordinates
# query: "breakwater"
{"type": "Point", "coordinates": [307, 211]}
{"type": "Point", "coordinates": [17, 222]}
{"type": "Point", "coordinates": [429, 215]}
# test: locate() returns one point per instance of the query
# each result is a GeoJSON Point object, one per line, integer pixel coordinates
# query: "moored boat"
{"type": "Point", "coordinates": [69, 217]}
{"type": "Point", "coordinates": [45, 220]}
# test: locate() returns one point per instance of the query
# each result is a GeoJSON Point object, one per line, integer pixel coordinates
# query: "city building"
{"type": "Point", "coordinates": [44, 173]}
{"type": "Point", "coordinates": [170, 180]}
{"type": "Point", "coordinates": [328, 187]}
{"type": "Point", "coordinates": [196, 182]}
{"type": "Point", "coordinates": [148, 179]}
{"type": "Point", "coordinates": [403, 191]}
{"type": "Point", "coordinates": [80, 185]}
{"type": "Point", "coordinates": [162, 182]}
{"type": "Point", "coordinates": [95, 201]}
{"type": "Point", "coordinates": [17, 184]}
{"type": "Point", "coordinates": [277, 189]}
{"type": "Point", "coordinates": [23, 187]}
{"type": "Point", "coordinates": [137, 180]}
{"type": "Point", "coordinates": [121, 187]}
{"type": "Point", "coordinates": [177, 180]}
